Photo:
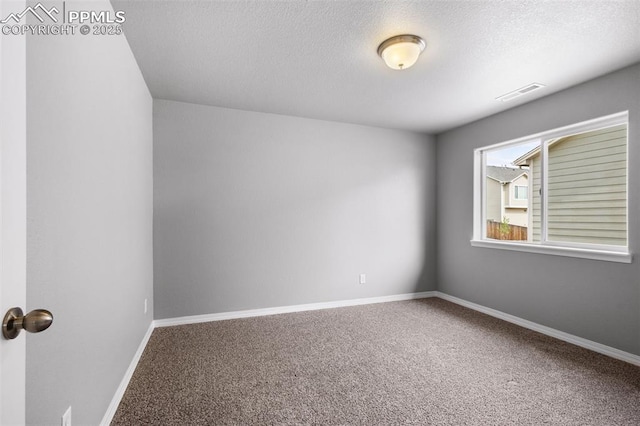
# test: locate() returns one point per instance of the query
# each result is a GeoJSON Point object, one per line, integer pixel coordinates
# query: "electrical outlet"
{"type": "Point", "coordinates": [145, 306]}
{"type": "Point", "coordinates": [363, 278]}
{"type": "Point", "coordinates": [66, 417]}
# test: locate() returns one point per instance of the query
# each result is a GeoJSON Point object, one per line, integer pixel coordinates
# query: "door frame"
{"type": "Point", "coordinates": [13, 214]}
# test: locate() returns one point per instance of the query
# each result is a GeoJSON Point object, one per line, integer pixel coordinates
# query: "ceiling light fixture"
{"type": "Point", "coordinates": [401, 52]}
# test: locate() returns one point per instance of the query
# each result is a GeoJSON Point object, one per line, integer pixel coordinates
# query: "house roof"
{"type": "Point", "coordinates": [504, 174]}
{"type": "Point", "coordinates": [523, 159]}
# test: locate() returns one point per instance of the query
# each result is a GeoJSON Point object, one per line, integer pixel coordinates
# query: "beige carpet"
{"type": "Point", "coordinates": [415, 362]}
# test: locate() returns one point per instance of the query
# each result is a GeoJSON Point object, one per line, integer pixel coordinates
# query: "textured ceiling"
{"type": "Point", "coordinates": [318, 58]}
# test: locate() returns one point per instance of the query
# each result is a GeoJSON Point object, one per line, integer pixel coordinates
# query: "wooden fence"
{"type": "Point", "coordinates": [500, 231]}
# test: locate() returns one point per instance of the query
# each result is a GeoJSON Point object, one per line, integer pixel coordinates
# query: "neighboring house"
{"type": "Point", "coordinates": [507, 195]}
{"type": "Point", "coordinates": [587, 187]}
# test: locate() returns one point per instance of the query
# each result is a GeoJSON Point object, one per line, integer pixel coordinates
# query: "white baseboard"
{"type": "Point", "coordinates": [561, 335]}
{"type": "Point", "coordinates": [193, 319]}
{"type": "Point", "coordinates": [578, 341]}
{"type": "Point", "coordinates": [115, 401]}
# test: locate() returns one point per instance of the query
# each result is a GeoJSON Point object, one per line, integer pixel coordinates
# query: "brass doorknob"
{"type": "Point", "coordinates": [34, 322]}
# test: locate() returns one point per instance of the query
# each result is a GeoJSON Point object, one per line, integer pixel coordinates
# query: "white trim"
{"type": "Point", "coordinates": [117, 397]}
{"type": "Point", "coordinates": [479, 169]}
{"type": "Point", "coordinates": [578, 341]}
{"type": "Point", "coordinates": [627, 182]}
{"type": "Point", "coordinates": [583, 126]}
{"type": "Point", "coordinates": [561, 335]}
{"type": "Point", "coordinates": [571, 249]}
{"type": "Point", "coordinates": [115, 401]}
{"type": "Point", "coordinates": [544, 190]}
{"type": "Point", "coordinates": [583, 253]}
{"type": "Point", "coordinates": [589, 125]}
{"type": "Point", "coordinates": [193, 319]}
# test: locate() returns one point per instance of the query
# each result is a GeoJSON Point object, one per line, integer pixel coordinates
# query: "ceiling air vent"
{"type": "Point", "coordinates": [519, 92]}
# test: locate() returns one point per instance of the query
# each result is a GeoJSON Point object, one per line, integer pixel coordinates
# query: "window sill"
{"type": "Point", "coordinates": [609, 256]}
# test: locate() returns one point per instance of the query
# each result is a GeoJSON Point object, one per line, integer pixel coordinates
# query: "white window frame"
{"type": "Point", "coordinates": [588, 251]}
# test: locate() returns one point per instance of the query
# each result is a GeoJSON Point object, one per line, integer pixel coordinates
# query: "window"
{"type": "Point", "coordinates": [570, 192]}
{"type": "Point", "coordinates": [521, 192]}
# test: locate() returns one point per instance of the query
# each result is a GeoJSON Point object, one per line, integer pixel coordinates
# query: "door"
{"type": "Point", "coordinates": [12, 215]}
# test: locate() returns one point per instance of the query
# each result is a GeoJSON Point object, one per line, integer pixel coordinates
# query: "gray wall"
{"type": "Point", "coordinates": [89, 244]}
{"type": "Point", "coordinates": [256, 210]}
{"type": "Point", "coordinates": [592, 299]}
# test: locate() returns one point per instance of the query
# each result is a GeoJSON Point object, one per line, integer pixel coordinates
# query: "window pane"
{"type": "Point", "coordinates": [587, 187]}
{"type": "Point", "coordinates": [507, 211]}
{"type": "Point", "coordinates": [521, 192]}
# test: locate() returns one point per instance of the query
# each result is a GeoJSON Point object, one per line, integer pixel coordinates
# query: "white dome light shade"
{"type": "Point", "coordinates": [401, 52]}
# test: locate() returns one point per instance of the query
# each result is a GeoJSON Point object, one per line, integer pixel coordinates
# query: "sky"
{"type": "Point", "coordinates": [506, 155]}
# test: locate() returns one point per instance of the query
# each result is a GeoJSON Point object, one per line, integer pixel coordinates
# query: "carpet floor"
{"type": "Point", "coordinates": [421, 362]}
